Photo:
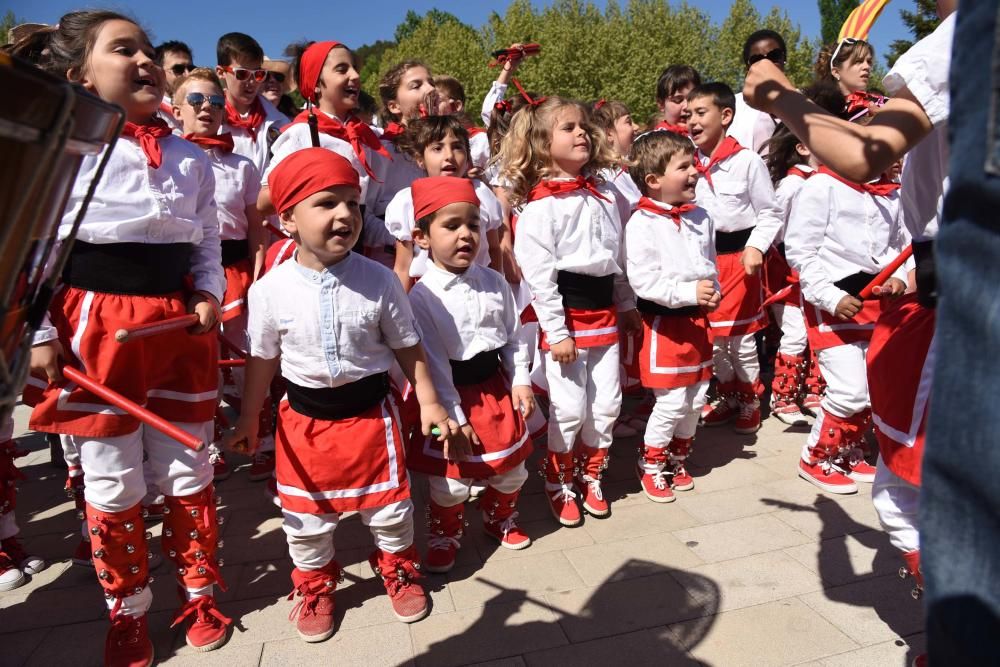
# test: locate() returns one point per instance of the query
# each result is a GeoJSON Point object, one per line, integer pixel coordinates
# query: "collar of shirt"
{"type": "Point", "coordinates": [446, 279]}
{"type": "Point", "coordinates": [334, 270]}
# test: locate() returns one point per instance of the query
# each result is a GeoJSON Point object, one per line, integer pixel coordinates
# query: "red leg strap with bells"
{"type": "Point", "coordinates": [397, 569]}
{"type": "Point", "coordinates": [310, 585]}
{"type": "Point", "coordinates": [190, 536]}
{"type": "Point", "coordinates": [118, 540]}
{"type": "Point", "coordinates": [592, 462]}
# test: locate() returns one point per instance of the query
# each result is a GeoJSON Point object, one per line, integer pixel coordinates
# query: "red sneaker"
{"type": "Point", "coordinates": [26, 562]}
{"type": "Point", "coordinates": [500, 519]}
{"type": "Point", "coordinates": [313, 613]}
{"type": "Point", "coordinates": [220, 469]}
{"type": "Point", "coordinates": [824, 475]}
{"type": "Point", "coordinates": [723, 412]}
{"type": "Point", "coordinates": [82, 555]}
{"type": "Point", "coordinates": [591, 464]}
{"type": "Point", "coordinates": [444, 530]}
{"type": "Point", "coordinates": [11, 576]}
{"type": "Point", "coordinates": [748, 420]}
{"type": "Point", "coordinates": [127, 643]}
{"type": "Point", "coordinates": [681, 480]}
{"type": "Point", "coordinates": [261, 466]}
{"type": "Point", "coordinates": [650, 469]}
{"type": "Point", "coordinates": [399, 573]}
{"type": "Point", "coordinates": [206, 625]}
{"type": "Point", "coordinates": [559, 473]}
{"type": "Point", "coordinates": [855, 467]}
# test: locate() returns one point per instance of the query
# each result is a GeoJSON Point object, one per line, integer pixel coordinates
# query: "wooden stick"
{"type": "Point", "coordinates": [228, 344]}
{"type": "Point", "coordinates": [133, 408]}
{"type": "Point", "coordinates": [230, 363]}
{"type": "Point", "coordinates": [885, 273]}
{"type": "Point", "coordinates": [155, 328]}
{"type": "Point", "coordinates": [777, 296]}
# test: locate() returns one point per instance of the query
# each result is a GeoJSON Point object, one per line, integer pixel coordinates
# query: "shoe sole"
{"type": "Point", "coordinates": [659, 499]}
{"type": "Point", "coordinates": [312, 639]}
{"type": "Point", "coordinates": [864, 479]}
{"type": "Point", "coordinates": [747, 431]}
{"type": "Point", "coordinates": [439, 569]}
{"type": "Point", "coordinates": [839, 489]}
{"type": "Point", "coordinates": [565, 522]}
{"type": "Point", "coordinates": [16, 583]}
{"type": "Point", "coordinates": [685, 487]}
{"type": "Point", "coordinates": [790, 420]}
{"type": "Point", "coordinates": [597, 514]}
{"type": "Point", "coordinates": [210, 646]}
{"type": "Point", "coordinates": [416, 617]}
{"type": "Point", "coordinates": [508, 545]}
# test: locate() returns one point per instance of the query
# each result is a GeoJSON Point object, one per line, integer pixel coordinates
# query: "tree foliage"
{"type": "Point", "coordinates": [587, 53]}
{"type": "Point", "coordinates": [832, 14]}
{"type": "Point", "coordinates": [7, 22]}
{"type": "Point", "coordinates": [921, 23]}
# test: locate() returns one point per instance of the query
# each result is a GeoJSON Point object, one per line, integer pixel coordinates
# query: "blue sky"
{"type": "Point", "coordinates": [276, 23]}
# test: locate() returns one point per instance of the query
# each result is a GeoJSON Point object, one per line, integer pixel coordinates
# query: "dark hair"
{"type": "Point", "coordinates": [237, 45]}
{"type": "Point", "coordinates": [295, 51]}
{"type": "Point", "coordinates": [422, 132]}
{"type": "Point", "coordinates": [721, 94]}
{"type": "Point", "coordinates": [172, 46]}
{"type": "Point", "coordinates": [760, 36]}
{"type": "Point", "coordinates": [67, 45]}
{"type": "Point", "coordinates": [450, 85]}
{"type": "Point", "coordinates": [828, 96]}
{"type": "Point", "coordinates": [367, 103]}
{"type": "Point", "coordinates": [501, 116]}
{"type": "Point", "coordinates": [388, 86]}
{"type": "Point", "coordinates": [605, 113]}
{"type": "Point", "coordinates": [673, 78]}
{"type": "Point", "coordinates": [849, 52]}
{"type": "Point", "coordinates": [782, 154]}
{"type": "Point", "coordinates": [652, 152]}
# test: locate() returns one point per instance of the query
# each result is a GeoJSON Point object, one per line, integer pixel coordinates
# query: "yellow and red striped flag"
{"type": "Point", "coordinates": [859, 23]}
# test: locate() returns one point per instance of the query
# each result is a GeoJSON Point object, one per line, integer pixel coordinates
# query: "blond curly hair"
{"type": "Point", "coordinates": [524, 156]}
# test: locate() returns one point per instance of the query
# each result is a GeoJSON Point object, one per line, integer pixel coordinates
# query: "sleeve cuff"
{"type": "Point", "coordinates": [455, 412]}
{"type": "Point", "coordinates": [522, 377]}
{"type": "Point", "coordinates": [45, 335]}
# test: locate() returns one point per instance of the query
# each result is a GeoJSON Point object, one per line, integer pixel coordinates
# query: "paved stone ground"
{"type": "Point", "coordinates": [752, 567]}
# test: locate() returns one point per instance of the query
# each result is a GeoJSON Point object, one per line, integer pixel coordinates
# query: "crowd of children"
{"type": "Point", "coordinates": [395, 298]}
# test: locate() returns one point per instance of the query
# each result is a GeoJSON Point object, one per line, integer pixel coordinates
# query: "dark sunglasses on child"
{"type": "Point", "coordinates": [278, 77]}
{"type": "Point", "coordinates": [776, 56]}
{"type": "Point", "coordinates": [181, 68]}
{"type": "Point", "coordinates": [197, 100]}
{"type": "Point", "coordinates": [242, 73]}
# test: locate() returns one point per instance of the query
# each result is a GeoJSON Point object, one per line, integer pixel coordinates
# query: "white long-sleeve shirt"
{"type": "Point", "coordinates": [836, 231]}
{"type": "Point", "coordinates": [330, 327]}
{"type": "Point", "coordinates": [257, 150]}
{"type": "Point", "coordinates": [626, 187]}
{"type": "Point", "coordinates": [576, 232]}
{"type": "Point", "coordinates": [750, 127]}
{"type": "Point", "coordinates": [666, 261]}
{"type": "Point", "coordinates": [462, 315]}
{"type": "Point", "coordinates": [400, 223]}
{"type": "Point", "coordinates": [924, 71]}
{"type": "Point", "coordinates": [237, 184]}
{"type": "Point", "coordinates": [496, 93]}
{"type": "Point", "coordinates": [741, 196]}
{"type": "Point", "coordinates": [785, 195]}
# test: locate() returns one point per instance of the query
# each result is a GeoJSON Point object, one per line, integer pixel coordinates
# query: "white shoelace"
{"type": "Point", "coordinates": [442, 542]}
{"type": "Point", "coordinates": [747, 410]}
{"type": "Point", "coordinates": [509, 524]}
{"type": "Point", "coordinates": [564, 492]}
{"type": "Point", "coordinates": [855, 456]}
{"type": "Point", "coordinates": [595, 486]}
{"type": "Point", "coordinates": [658, 474]}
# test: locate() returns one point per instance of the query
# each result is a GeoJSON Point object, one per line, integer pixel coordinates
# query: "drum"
{"type": "Point", "coordinates": [45, 131]}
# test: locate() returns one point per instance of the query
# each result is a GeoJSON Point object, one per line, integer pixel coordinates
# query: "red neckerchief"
{"type": "Point", "coordinates": [647, 204]}
{"type": "Point", "coordinates": [224, 142]}
{"type": "Point", "coordinates": [727, 148]}
{"type": "Point", "coordinates": [883, 188]}
{"type": "Point", "coordinates": [473, 130]}
{"type": "Point", "coordinates": [148, 135]}
{"type": "Point", "coordinates": [393, 131]}
{"type": "Point", "coordinates": [677, 129]}
{"type": "Point", "coordinates": [795, 171]}
{"type": "Point", "coordinates": [252, 123]}
{"type": "Point", "coordinates": [354, 132]}
{"type": "Point", "coordinates": [547, 188]}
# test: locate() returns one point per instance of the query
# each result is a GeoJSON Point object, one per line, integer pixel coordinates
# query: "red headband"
{"type": "Point", "coordinates": [310, 66]}
{"type": "Point", "coordinates": [435, 192]}
{"type": "Point", "coordinates": [306, 172]}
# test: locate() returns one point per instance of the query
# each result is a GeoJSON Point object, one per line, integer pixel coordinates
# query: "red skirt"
{"type": "Point", "coordinates": [503, 438]}
{"type": "Point", "coordinates": [676, 351]}
{"type": "Point", "coordinates": [739, 312]}
{"type": "Point", "coordinates": [239, 277]}
{"type": "Point", "coordinates": [825, 330]}
{"type": "Point", "coordinates": [327, 467]}
{"type": "Point", "coordinates": [900, 361]}
{"type": "Point", "coordinates": [174, 374]}
{"type": "Point", "coordinates": [589, 328]}
{"type": "Point", "coordinates": [779, 275]}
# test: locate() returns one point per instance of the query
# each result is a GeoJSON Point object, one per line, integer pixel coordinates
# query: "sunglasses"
{"type": "Point", "coordinates": [181, 68]}
{"type": "Point", "coordinates": [277, 77]}
{"type": "Point", "coordinates": [776, 56]}
{"type": "Point", "coordinates": [243, 74]}
{"type": "Point", "coordinates": [840, 45]}
{"type": "Point", "coordinates": [197, 100]}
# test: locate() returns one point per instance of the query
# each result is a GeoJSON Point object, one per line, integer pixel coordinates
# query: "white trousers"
{"type": "Point", "coordinates": [310, 536]}
{"type": "Point", "coordinates": [675, 413]}
{"type": "Point", "coordinates": [448, 492]}
{"type": "Point", "coordinates": [896, 502]}
{"type": "Point", "coordinates": [846, 375]}
{"type": "Point", "coordinates": [792, 323]}
{"type": "Point", "coordinates": [735, 357]}
{"type": "Point", "coordinates": [113, 467]}
{"type": "Point", "coordinates": [585, 398]}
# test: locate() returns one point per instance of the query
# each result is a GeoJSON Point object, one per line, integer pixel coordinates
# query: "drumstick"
{"type": "Point", "coordinates": [777, 296]}
{"type": "Point", "coordinates": [277, 232]}
{"type": "Point", "coordinates": [885, 273]}
{"type": "Point", "coordinates": [233, 349]}
{"type": "Point", "coordinates": [133, 408]}
{"type": "Point", "coordinates": [154, 328]}
{"type": "Point", "coordinates": [229, 363]}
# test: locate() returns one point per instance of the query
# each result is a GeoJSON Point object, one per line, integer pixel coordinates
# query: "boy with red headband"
{"type": "Point", "coordinates": [336, 321]}
{"type": "Point", "coordinates": [479, 361]}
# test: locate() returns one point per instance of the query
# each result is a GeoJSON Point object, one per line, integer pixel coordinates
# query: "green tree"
{"type": "Point", "coordinates": [921, 23]}
{"type": "Point", "coordinates": [832, 14]}
{"type": "Point", "coordinates": [6, 23]}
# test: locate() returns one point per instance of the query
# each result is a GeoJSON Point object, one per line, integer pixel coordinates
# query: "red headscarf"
{"type": "Point", "coordinates": [435, 192]}
{"type": "Point", "coordinates": [310, 66]}
{"type": "Point", "coordinates": [306, 172]}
